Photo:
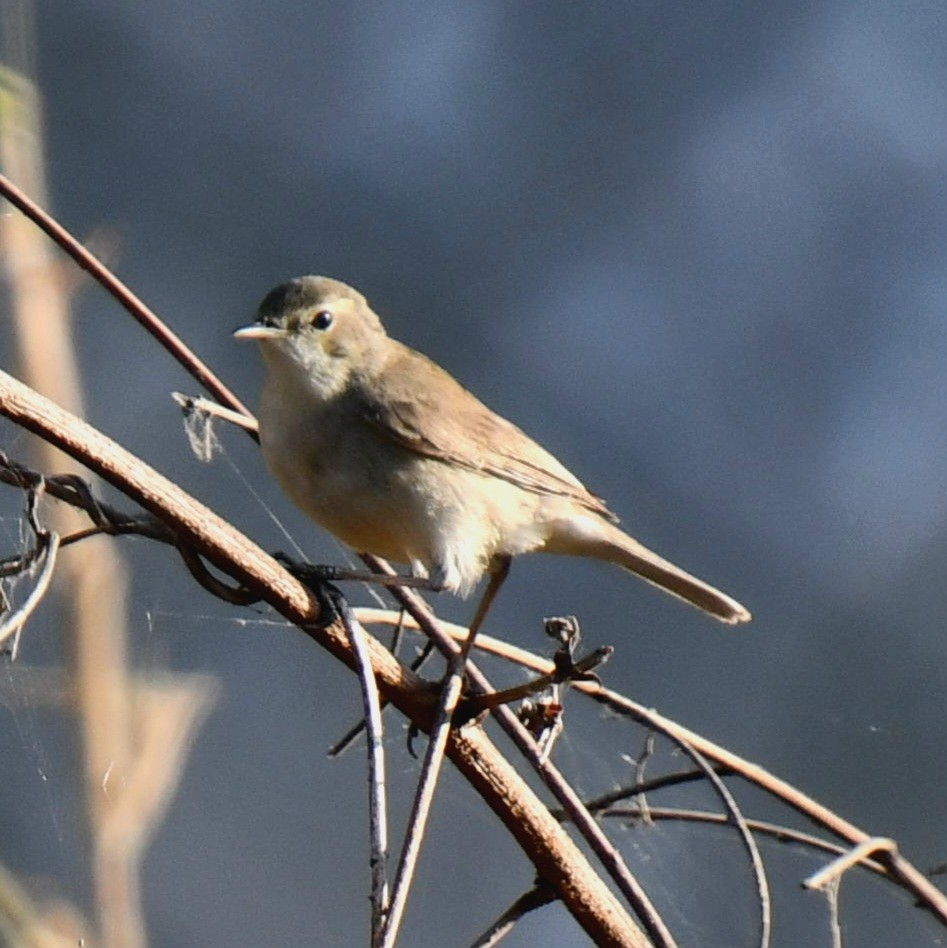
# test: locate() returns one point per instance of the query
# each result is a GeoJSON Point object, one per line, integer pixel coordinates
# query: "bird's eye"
{"type": "Point", "coordinates": [322, 319]}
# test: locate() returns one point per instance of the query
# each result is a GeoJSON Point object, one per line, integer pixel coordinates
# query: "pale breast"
{"type": "Point", "coordinates": [378, 496]}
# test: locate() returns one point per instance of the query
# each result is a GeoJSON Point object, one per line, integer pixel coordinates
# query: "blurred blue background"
{"type": "Point", "coordinates": [699, 251]}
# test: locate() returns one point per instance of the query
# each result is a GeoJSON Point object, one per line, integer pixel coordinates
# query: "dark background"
{"type": "Point", "coordinates": [699, 251]}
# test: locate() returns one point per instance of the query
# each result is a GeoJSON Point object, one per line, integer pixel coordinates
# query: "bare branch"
{"type": "Point", "coordinates": [347, 739]}
{"type": "Point", "coordinates": [73, 490]}
{"type": "Point", "coordinates": [421, 807]}
{"type": "Point", "coordinates": [574, 672]}
{"type": "Point", "coordinates": [377, 807]}
{"type": "Point", "coordinates": [606, 803]}
{"type": "Point", "coordinates": [899, 869]}
{"type": "Point", "coordinates": [92, 265]}
{"type": "Point", "coordinates": [556, 857]}
{"type": "Point", "coordinates": [782, 834]}
{"type": "Point", "coordinates": [571, 802]}
{"type": "Point", "coordinates": [536, 898]}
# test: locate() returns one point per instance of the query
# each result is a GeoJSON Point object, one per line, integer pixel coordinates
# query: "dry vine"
{"type": "Point", "coordinates": [171, 517]}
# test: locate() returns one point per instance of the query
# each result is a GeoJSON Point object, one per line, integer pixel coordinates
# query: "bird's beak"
{"type": "Point", "coordinates": [259, 331]}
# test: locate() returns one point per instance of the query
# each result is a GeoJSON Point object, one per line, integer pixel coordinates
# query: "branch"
{"type": "Point", "coordinates": [556, 857]}
{"type": "Point", "coordinates": [896, 867]}
{"type": "Point", "coordinates": [377, 807]}
{"type": "Point", "coordinates": [536, 898]}
{"type": "Point", "coordinates": [93, 266]}
{"type": "Point", "coordinates": [601, 845]}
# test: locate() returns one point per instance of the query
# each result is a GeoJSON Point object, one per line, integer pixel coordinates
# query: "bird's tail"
{"type": "Point", "coordinates": [609, 543]}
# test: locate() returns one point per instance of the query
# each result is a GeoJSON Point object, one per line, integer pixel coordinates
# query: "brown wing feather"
{"type": "Point", "coordinates": [469, 435]}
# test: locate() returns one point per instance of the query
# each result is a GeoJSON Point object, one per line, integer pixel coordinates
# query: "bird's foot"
{"type": "Point", "coordinates": [320, 572]}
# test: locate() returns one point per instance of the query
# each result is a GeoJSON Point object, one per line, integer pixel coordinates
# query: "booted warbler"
{"type": "Point", "coordinates": [385, 449]}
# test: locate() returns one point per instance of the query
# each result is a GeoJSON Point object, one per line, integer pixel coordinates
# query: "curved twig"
{"type": "Point", "coordinates": [535, 898]}
{"type": "Point", "coordinates": [73, 490]}
{"type": "Point", "coordinates": [898, 869]}
{"type": "Point", "coordinates": [46, 550]}
{"type": "Point", "coordinates": [782, 834]}
{"type": "Point", "coordinates": [235, 595]}
{"type": "Point", "coordinates": [606, 802]}
{"type": "Point", "coordinates": [739, 821]}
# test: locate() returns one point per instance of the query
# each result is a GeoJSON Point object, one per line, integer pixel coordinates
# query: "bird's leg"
{"type": "Point", "coordinates": [499, 570]}
{"type": "Point", "coordinates": [457, 666]}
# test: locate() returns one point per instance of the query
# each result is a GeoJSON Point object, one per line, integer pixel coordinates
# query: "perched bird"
{"type": "Point", "coordinates": [386, 450]}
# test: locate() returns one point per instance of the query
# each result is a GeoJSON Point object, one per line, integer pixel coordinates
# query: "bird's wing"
{"type": "Point", "coordinates": [466, 433]}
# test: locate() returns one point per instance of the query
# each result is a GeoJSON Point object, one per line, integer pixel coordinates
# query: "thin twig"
{"type": "Point", "coordinates": [609, 856]}
{"type": "Point", "coordinates": [47, 547]}
{"type": "Point", "coordinates": [604, 803]}
{"type": "Point", "coordinates": [906, 874]}
{"type": "Point", "coordinates": [897, 867]}
{"type": "Point", "coordinates": [640, 766]}
{"type": "Point", "coordinates": [834, 870]}
{"type": "Point", "coordinates": [736, 816]}
{"type": "Point", "coordinates": [377, 807]}
{"type": "Point", "coordinates": [782, 834]}
{"type": "Point", "coordinates": [739, 821]}
{"type": "Point", "coordinates": [835, 925]}
{"type": "Point", "coordinates": [571, 802]}
{"type": "Point", "coordinates": [347, 739]}
{"type": "Point", "coordinates": [537, 897]}
{"type": "Point", "coordinates": [451, 691]}
{"type": "Point", "coordinates": [116, 288]}
{"type": "Point", "coordinates": [581, 668]}
{"type": "Point", "coordinates": [235, 595]}
{"type": "Point", "coordinates": [73, 490]}
{"type": "Point", "coordinates": [190, 404]}
{"type": "Point", "coordinates": [655, 722]}
{"type": "Point", "coordinates": [421, 807]}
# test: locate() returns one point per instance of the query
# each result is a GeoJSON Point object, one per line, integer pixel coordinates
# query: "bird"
{"type": "Point", "coordinates": [386, 450]}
